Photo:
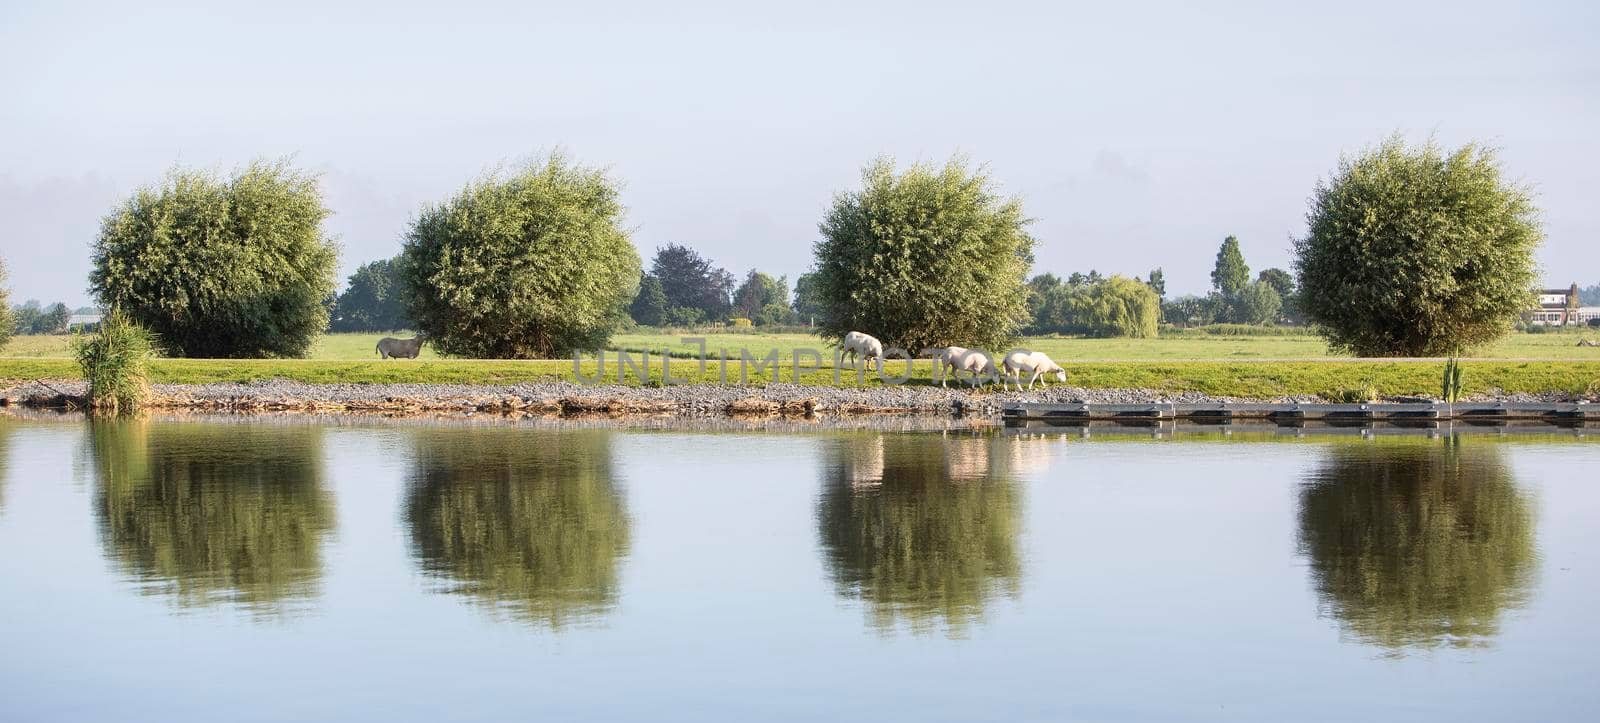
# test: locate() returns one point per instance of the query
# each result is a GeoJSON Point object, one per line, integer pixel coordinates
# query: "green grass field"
{"type": "Point", "coordinates": [1220, 365]}
{"type": "Point", "coordinates": [1183, 347]}
{"type": "Point", "coordinates": [1264, 366]}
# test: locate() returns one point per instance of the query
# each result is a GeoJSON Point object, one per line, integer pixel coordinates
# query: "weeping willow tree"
{"type": "Point", "coordinates": [213, 513]}
{"type": "Point", "coordinates": [527, 523]}
{"type": "Point", "coordinates": [922, 528]}
{"type": "Point", "coordinates": [1413, 544]}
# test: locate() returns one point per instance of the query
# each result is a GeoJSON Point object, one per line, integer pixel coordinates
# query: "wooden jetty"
{"type": "Point", "coordinates": [1291, 414]}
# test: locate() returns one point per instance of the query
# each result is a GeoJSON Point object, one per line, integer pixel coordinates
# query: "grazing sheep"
{"type": "Point", "coordinates": [1037, 364]}
{"type": "Point", "coordinates": [969, 360]}
{"type": "Point", "coordinates": [862, 348]}
{"type": "Point", "coordinates": [392, 348]}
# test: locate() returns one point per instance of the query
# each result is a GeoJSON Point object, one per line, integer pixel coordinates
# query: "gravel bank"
{"type": "Point", "coordinates": [570, 398]}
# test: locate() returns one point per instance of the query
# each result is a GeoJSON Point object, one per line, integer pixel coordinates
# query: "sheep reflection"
{"type": "Point", "coordinates": [924, 528]}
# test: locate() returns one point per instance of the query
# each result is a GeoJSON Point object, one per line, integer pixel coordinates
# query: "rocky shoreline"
{"type": "Point", "coordinates": [569, 399]}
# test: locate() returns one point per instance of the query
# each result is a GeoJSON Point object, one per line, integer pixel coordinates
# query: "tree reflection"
{"type": "Point", "coordinates": [1418, 545]}
{"type": "Point", "coordinates": [923, 528]}
{"type": "Point", "coordinates": [210, 513]}
{"type": "Point", "coordinates": [525, 522]}
{"type": "Point", "coordinates": [7, 426]}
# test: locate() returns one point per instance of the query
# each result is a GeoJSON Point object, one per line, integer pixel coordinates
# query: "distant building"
{"type": "Point", "coordinates": [1559, 307]}
{"type": "Point", "coordinates": [80, 320]}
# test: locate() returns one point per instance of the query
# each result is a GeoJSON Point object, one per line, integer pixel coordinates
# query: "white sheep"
{"type": "Point", "coordinates": [1036, 364]}
{"type": "Point", "coordinates": [978, 363]}
{"type": "Point", "coordinates": [862, 348]}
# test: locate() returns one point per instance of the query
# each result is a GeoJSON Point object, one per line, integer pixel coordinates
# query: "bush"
{"type": "Point", "coordinates": [739, 321]}
{"type": "Point", "coordinates": [529, 264]}
{"type": "Point", "coordinates": [927, 258]}
{"type": "Point", "coordinates": [114, 361]}
{"type": "Point", "coordinates": [221, 268]}
{"type": "Point", "coordinates": [1415, 252]}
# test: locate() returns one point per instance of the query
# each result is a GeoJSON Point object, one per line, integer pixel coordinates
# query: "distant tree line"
{"type": "Point", "coordinates": [1589, 295]}
{"type": "Point", "coordinates": [1235, 298]}
{"type": "Point", "coordinates": [30, 317]}
{"type": "Point", "coordinates": [684, 288]}
{"type": "Point", "coordinates": [373, 300]}
{"type": "Point", "coordinates": [1409, 250]}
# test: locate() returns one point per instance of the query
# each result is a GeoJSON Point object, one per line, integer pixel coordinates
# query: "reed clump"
{"type": "Point", "coordinates": [115, 362]}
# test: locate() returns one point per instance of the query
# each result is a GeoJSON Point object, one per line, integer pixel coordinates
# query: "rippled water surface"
{"type": "Point", "coordinates": [295, 568]}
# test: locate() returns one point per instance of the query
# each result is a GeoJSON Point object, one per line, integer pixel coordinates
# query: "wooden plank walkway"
{"type": "Point", "coordinates": [1222, 412]}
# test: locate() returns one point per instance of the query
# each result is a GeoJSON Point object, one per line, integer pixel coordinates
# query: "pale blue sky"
{"type": "Point", "coordinates": [1137, 134]}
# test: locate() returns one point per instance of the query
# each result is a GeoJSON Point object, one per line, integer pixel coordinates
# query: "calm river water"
{"type": "Point", "coordinates": [300, 569]}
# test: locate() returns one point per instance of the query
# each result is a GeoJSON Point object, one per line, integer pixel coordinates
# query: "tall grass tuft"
{"type": "Point", "coordinates": [115, 361]}
{"type": "Point", "coordinates": [1450, 388]}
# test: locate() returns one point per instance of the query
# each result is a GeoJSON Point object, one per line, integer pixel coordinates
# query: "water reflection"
{"type": "Point", "coordinates": [209, 513]}
{"type": "Point", "coordinates": [924, 527]}
{"type": "Point", "coordinates": [1418, 544]}
{"type": "Point", "coordinates": [529, 523]}
{"type": "Point", "coordinates": [7, 427]}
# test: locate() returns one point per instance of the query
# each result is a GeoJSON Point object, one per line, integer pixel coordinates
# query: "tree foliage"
{"type": "Point", "coordinates": [1230, 274]}
{"type": "Point", "coordinates": [930, 257]}
{"type": "Point", "coordinates": [1158, 282]}
{"type": "Point", "coordinates": [32, 318]}
{"type": "Point", "coordinates": [1417, 251]}
{"type": "Point", "coordinates": [1093, 305]}
{"type": "Point", "coordinates": [760, 292]}
{"type": "Point", "coordinates": [1257, 303]}
{"type": "Point", "coordinates": [1281, 281]}
{"type": "Point", "coordinates": [649, 306]}
{"type": "Point", "coordinates": [374, 300]}
{"type": "Point", "coordinates": [808, 302]}
{"type": "Point", "coordinates": [1416, 545]}
{"type": "Point", "coordinates": [527, 263]}
{"type": "Point", "coordinates": [1587, 296]}
{"type": "Point", "coordinates": [8, 323]}
{"type": "Point", "coordinates": [691, 281]}
{"type": "Point", "coordinates": [234, 267]}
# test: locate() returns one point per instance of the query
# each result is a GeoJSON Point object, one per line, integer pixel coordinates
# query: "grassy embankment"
{"type": "Point", "coordinates": [1249, 366]}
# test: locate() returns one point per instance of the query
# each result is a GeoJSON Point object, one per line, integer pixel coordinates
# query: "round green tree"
{"type": "Point", "coordinates": [221, 267]}
{"type": "Point", "coordinates": [1417, 251]}
{"type": "Point", "coordinates": [528, 263]}
{"type": "Point", "coordinates": [930, 257]}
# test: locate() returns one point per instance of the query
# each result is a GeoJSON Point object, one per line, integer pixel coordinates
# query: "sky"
{"type": "Point", "coordinates": [1136, 134]}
